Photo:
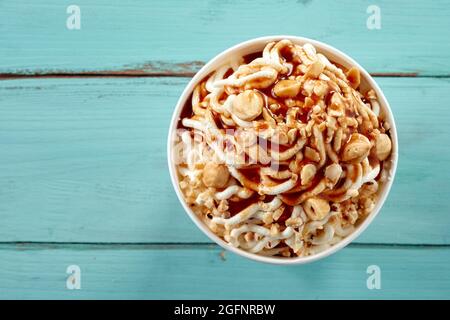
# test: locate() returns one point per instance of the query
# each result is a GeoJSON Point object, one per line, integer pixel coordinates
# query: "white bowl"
{"type": "Point", "coordinates": [333, 55]}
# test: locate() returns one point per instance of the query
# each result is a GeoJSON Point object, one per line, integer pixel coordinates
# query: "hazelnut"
{"type": "Point", "coordinates": [312, 154]}
{"type": "Point", "coordinates": [354, 77]}
{"type": "Point", "coordinates": [286, 88]}
{"type": "Point", "coordinates": [356, 149]}
{"type": "Point", "coordinates": [248, 105]}
{"type": "Point", "coordinates": [316, 208]}
{"type": "Point", "coordinates": [333, 173]}
{"type": "Point", "coordinates": [320, 88]}
{"type": "Point", "coordinates": [337, 105]}
{"type": "Point", "coordinates": [315, 69]}
{"type": "Point", "coordinates": [215, 175]}
{"type": "Point", "coordinates": [383, 146]}
{"type": "Point", "coordinates": [307, 174]}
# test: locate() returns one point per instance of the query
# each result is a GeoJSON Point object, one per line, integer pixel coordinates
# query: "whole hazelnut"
{"type": "Point", "coordinates": [383, 146]}
{"type": "Point", "coordinates": [248, 105]}
{"type": "Point", "coordinates": [356, 149]}
{"type": "Point", "coordinates": [215, 175]}
{"type": "Point", "coordinates": [316, 208]}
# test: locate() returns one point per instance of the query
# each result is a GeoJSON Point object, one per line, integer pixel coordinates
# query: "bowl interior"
{"type": "Point", "coordinates": [334, 56]}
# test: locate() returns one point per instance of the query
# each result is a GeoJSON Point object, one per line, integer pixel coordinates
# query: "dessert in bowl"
{"type": "Point", "coordinates": [282, 149]}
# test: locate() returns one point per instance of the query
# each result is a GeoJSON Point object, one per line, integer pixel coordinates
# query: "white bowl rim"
{"type": "Point", "coordinates": [320, 46]}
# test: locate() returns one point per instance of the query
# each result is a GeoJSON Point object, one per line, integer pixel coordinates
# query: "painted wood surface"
{"type": "Point", "coordinates": [175, 36]}
{"type": "Point", "coordinates": [196, 272]}
{"type": "Point", "coordinates": [84, 160]}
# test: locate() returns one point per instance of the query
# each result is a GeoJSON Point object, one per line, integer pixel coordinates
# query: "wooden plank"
{"type": "Point", "coordinates": [84, 160]}
{"type": "Point", "coordinates": [199, 272]}
{"type": "Point", "coordinates": [176, 37]}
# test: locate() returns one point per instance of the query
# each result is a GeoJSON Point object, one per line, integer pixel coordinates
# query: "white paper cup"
{"type": "Point", "coordinates": [334, 55]}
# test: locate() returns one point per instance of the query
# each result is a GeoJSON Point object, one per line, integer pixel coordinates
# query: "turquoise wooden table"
{"type": "Point", "coordinates": [84, 115]}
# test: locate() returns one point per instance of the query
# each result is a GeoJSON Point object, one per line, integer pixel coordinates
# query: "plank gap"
{"type": "Point", "coordinates": [37, 245]}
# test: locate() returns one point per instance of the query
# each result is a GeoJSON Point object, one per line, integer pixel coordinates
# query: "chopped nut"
{"type": "Point", "coordinates": [316, 208]}
{"type": "Point", "coordinates": [356, 149]}
{"type": "Point", "coordinates": [307, 174]}
{"type": "Point", "coordinates": [337, 105]}
{"type": "Point", "coordinates": [215, 175]}
{"type": "Point", "coordinates": [248, 105]}
{"type": "Point", "coordinates": [383, 146]}
{"type": "Point", "coordinates": [286, 88]}
{"type": "Point", "coordinates": [315, 69]}
{"type": "Point", "coordinates": [320, 88]}
{"type": "Point", "coordinates": [354, 77]}
{"type": "Point", "coordinates": [312, 154]}
{"type": "Point", "coordinates": [333, 173]}
{"type": "Point", "coordinates": [368, 189]}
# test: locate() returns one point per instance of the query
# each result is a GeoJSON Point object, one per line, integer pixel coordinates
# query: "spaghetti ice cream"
{"type": "Point", "coordinates": [281, 152]}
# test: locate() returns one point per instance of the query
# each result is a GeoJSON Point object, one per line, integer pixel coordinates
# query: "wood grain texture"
{"type": "Point", "coordinates": [162, 272]}
{"type": "Point", "coordinates": [176, 37]}
{"type": "Point", "coordinates": [84, 160]}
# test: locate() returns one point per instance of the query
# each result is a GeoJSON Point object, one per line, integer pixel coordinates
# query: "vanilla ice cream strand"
{"type": "Point", "coordinates": [227, 121]}
{"type": "Point", "coordinates": [331, 67]}
{"type": "Point", "coordinates": [216, 76]}
{"type": "Point", "coordinates": [275, 59]}
{"type": "Point", "coordinates": [236, 63]}
{"type": "Point", "coordinates": [312, 226]}
{"type": "Point", "coordinates": [325, 237]}
{"type": "Point", "coordinates": [266, 233]}
{"type": "Point", "coordinates": [236, 232]}
{"type": "Point", "coordinates": [335, 240]}
{"type": "Point", "coordinates": [242, 179]}
{"type": "Point", "coordinates": [375, 106]}
{"type": "Point", "coordinates": [239, 82]}
{"type": "Point", "coordinates": [320, 145]}
{"type": "Point", "coordinates": [240, 217]}
{"type": "Point", "coordinates": [241, 123]}
{"type": "Point", "coordinates": [241, 192]}
{"type": "Point", "coordinates": [214, 100]}
{"type": "Point", "coordinates": [341, 191]}
{"type": "Point", "coordinates": [280, 188]}
{"type": "Point", "coordinates": [267, 50]}
{"type": "Point", "coordinates": [268, 171]}
{"type": "Point", "coordinates": [263, 242]}
{"type": "Point", "coordinates": [209, 130]}
{"type": "Point", "coordinates": [341, 231]}
{"type": "Point", "coordinates": [372, 116]}
{"type": "Point", "coordinates": [262, 216]}
{"type": "Point", "coordinates": [187, 142]}
{"type": "Point", "coordinates": [319, 188]}
{"type": "Point", "coordinates": [331, 154]}
{"type": "Point", "coordinates": [371, 175]}
{"type": "Point", "coordinates": [272, 244]}
{"type": "Point", "coordinates": [249, 212]}
{"type": "Point", "coordinates": [196, 108]}
{"type": "Point", "coordinates": [289, 153]}
{"type": "Point", "coordinates": [353, 190]}
{"type": "Point", "coordinates": [195, 124]}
